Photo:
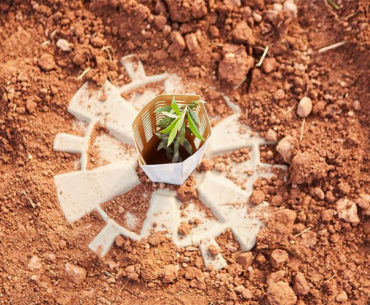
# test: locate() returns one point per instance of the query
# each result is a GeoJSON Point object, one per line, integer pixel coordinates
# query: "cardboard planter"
{"type": "Point", "coordinates": [144, 129]}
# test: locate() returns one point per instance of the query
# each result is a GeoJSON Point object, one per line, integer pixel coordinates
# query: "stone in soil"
{"type": "Point", "coordinates": [285, 148]}
{"type": "Point", "coordinates": [75, 273]}
{"type": "Point", "coordinates": [235, 65]}
{"type": "Point", "coordinates": [341, 297]}
{"type": "Point", "coordinates": [64, 45]}
{"type": "Point", "coordinates": [34, 263]}
{"type": "Point", "coordinates": [271, 135]}
{"type": "Point", "coordinates": [191, 42]}
{"type": "Point", "coordinates": [304, 107]}
{"type": "Point", "coordinates": [347, 210]}
{"type": "Point", "coordinates": [281, 293]}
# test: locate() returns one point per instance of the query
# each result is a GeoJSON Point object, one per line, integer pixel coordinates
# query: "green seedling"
{"type": "Point", "coordinates": [178, 121]}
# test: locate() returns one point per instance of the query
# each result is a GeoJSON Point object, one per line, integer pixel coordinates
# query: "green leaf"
{"type": "Point", "coordinates": [163, 123]}
{"type": "Point", "coordinates": [174, 106]}
{"type": "Point", "coordinates": [182, 133]}
{"type": "Point", "coordinates": [170, 115]}
{"type": "Point", "coordinates": [173, 132]}
{"type": "Point", "coordinates": [188, 146]}
{"type": "Point", "coordinates": [161, 145]}
{"type": "Point", "coordinates": [193, 104]}
{"type": "Point", "coordinates": [169, 127]}
{"type": "Point", "coordinates": [164, 108]}
{"type": "Point", "coordinates": [194, 116]}
{"type": "Point", "coordinates": [194, 128]}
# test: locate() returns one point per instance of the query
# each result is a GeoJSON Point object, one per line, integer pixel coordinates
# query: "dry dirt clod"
{"type": "Point", "coordinates": [364, 203]}
{"type": "Point", "coordinates": [206, 165]}
{"type": "Point", "coordinates": [245, 259]}
{"type": "Point", "coordinates": [278, 94]}
{"type": "Point", "coordinates": [119, 241]}
{"type": "Point", "coordinates": [178, 44]}
{"type": "Point", "coordinates": [220, 167]}
{"type": "Point", "coordinates": [278, 258]}
{"type": "Point", "coordinates": [243, 34]}
{"type": "Point", "coordinates": [281, 293]}
{"type": "Point", "coordinates": [244, 292]}
{"type": "Point", "coordinates": [31, 106]}
{"type": "Point", "coordinates": [46, 62]}
{"type": "Point", "coordinates": [301, 286]}
{"type": "Point", "coordinates": [347, 210]}
{"type": "Point", "coordinates": [327, 215]}
{"type": "Point", "coordinates": [304, 107]}
{"type": "Point", "coordinates": [132, 273]}
{"type": "Point", "coordinates": [235, 65]}
{"type": "Point", "coordinates": [275, 277]}
{"type": "Point", "coordinates": [184, 229]}
{"type": "Point", "coordinates": [159, 22]}
{"type": "Point", "coordinates": [306, 167]}
{"type": "Point", "coordinates": [257, 197]}
{"type": "Point", "coordinates": [170, 273]}
{"type": "Point", "coordinates": [75, 273]}
{"type": "Point", "coordinates": [269, 65]}
{"type": "Point", "coordinates": [191, 43]}
{"type": "Point", "coordinates": [285, 148]}
{"type": "Point", "coordinates": [213, 250]}
{"type": "Point", "coordinates": [186, 10]}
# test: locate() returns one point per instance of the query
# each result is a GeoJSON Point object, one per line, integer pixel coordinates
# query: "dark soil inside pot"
{"type": "Point", "coordinates": [159, 156]}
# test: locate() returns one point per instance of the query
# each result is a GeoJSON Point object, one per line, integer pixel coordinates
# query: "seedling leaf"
{"type": "Point", "coordinates": [161, 145]}
{"type": "Point", "coordinates": [194, 116]}
{"type": "Point", "coordinates": [174, 106]}
{"type": "Point", "coordinates": [171, 126]}
{"type": "Point", "coordinates": [194, 128]}
{"type": "Point", "coordinates": [188, 146]}
{"type": "Point", "coordinates": [182, 133]}
{"type": "Point", "coordinates": [170, 115]}
{"type": "Point", "coordinates": [163, 123]}
{"type": "Point", "coordinates": [164, 108]}
{"type": "Point", "coordinates": [173, 132]}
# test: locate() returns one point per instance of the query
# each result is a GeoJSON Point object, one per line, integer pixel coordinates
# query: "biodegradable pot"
{"type": "Point", "coordinates": [144, 129]}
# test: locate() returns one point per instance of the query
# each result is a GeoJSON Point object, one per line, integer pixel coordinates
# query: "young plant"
{"type": "Point", "coordinates": [178, 120]}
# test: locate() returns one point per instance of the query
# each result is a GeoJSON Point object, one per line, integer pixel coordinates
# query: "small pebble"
{"type": "Point", "coordinates": [271, 135]}
{"type": "Point", "coordinates": [304, 107]}
{"type": "Point", "coordinates": [75, 273]}
{"type": "Point", "coordinates": [64, 45]}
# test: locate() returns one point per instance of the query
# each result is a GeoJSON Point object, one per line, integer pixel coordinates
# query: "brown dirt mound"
{"type": "Point", "coordinates": [48, 48]}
